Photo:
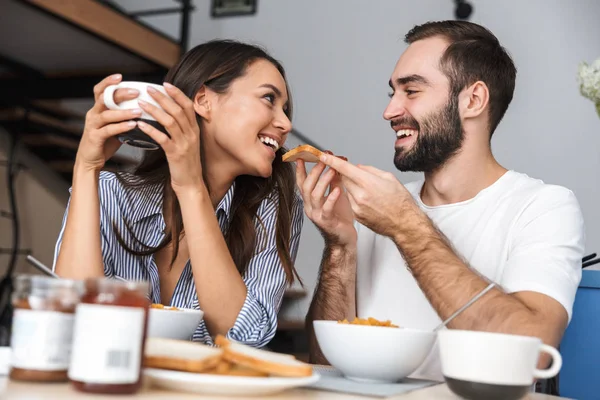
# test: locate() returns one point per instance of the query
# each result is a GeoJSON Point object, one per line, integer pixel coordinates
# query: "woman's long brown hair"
{"type": "Point", "coordinates": [215, 65]}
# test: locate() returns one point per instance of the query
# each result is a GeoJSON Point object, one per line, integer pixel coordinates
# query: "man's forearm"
{"type": "Point", "coordinates": [334, 297]}
{"type": "Point", "coordinates": [449, 283]}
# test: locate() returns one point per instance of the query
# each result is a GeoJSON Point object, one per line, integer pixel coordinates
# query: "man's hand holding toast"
{"type": "Point", "coordinates": [373, 197]}
{"type": "Point", "coordinates": [325, 199]}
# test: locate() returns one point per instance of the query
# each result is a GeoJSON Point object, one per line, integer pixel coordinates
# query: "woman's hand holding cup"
{"type": "Point", "coordinates": [99, 140]}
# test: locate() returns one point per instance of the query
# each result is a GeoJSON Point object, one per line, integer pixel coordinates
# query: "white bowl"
{"type": "Point", "coordinates": [373, 353]}
{"type": "Point", "coordinates": [173, 324]}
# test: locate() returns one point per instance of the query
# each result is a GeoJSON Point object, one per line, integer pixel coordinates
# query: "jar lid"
{"type": "Point", "coordinates": [107, 284]}
{"type": "Point", "coordinates": [40, 292]}
{"type": "Point", "coordinates": [26, 282]}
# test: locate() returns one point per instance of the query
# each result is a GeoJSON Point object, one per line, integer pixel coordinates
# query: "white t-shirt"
{"type": "Point", "coordinates": [519, 232]}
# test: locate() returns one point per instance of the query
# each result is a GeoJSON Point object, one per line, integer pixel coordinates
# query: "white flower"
{"type": "Point", "coordinates": [589, 80]}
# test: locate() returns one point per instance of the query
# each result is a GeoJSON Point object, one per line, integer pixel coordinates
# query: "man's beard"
{"type": "Point", "coordinates": [440, 137]}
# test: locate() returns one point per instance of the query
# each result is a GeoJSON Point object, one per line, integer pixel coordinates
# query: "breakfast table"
{"type": "Point", "coordinates": [10, 390]}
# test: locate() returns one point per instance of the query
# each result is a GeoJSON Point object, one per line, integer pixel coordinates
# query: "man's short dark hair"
{"type": "Point", "coordinates": [474, 54]}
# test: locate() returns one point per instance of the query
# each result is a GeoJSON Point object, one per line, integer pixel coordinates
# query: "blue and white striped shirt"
{"type": "Point", "coordinates": [141, 207]}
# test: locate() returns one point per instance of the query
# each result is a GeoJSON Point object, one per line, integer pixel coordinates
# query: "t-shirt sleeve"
{"type": "Point", "coordinates": [547, 246]}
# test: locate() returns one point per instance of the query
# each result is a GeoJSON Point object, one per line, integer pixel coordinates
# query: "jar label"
{"type": "Point", "coordinates": [107, 344]}
{"type": "Point", "coordinates": [41, 340]}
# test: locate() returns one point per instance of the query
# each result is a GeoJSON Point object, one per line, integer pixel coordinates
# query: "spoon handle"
{"type": "Point", "coordinates": [38, 264]}
{"type": "Point", "coordinates": [463, 308]}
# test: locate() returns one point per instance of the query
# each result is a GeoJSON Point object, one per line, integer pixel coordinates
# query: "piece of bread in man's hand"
{"type": "Point", "coordinates": [267, 362]}
{"type": "Point", "coordinates": [181, 355]}
{"type": "Point", "coordinates": [307, 153]}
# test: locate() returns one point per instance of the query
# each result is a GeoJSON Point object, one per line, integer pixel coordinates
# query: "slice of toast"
{"type": "Point", "coordinates": [227, 368]}
{"type": "Point", "coordinates": [307, 153]}
{"type": "Point", "coordinates": [238, 370]}
{"type": "Point", "coordinates": [180, 355]}
{"type": "Point", "coordinates": [267, 362]}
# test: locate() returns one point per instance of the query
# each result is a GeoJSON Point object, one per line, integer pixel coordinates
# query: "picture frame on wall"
{"type": "Point", "coordinates": [231, 8]}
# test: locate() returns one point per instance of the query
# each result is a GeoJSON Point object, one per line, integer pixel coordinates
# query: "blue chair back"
{"type": "Point", "coordinates": [580, 347]}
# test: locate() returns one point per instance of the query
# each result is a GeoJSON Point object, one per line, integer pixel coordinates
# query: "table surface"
{"type": "Point", "coordinates": [10, 390]}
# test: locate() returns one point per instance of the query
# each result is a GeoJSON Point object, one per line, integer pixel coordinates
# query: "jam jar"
{"type": "Point", "coordinates": [109, 337]}
{"type": "Point", "coordinates": [42, 327]}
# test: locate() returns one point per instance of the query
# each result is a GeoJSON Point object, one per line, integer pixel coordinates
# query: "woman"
{"type": "Point", "coordinates": [212, 219]}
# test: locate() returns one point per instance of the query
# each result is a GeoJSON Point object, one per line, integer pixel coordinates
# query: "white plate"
{"type": "Point", "coordinates": [224, 385]}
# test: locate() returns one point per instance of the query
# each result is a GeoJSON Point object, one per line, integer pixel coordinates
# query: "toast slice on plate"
{"type": "Point", "coordinates": [181, 355]}
{"type": "Point", "coordinates": [226, 368]}
{"type": "Point", "coordinates": [229, 358]}
{"type": "Point", "coordinates": [274, 364]}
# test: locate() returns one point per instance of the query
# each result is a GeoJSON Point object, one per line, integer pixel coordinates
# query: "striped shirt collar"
{"type": "Point", "coordinates": [225, 203]}
{"type": "Point", "coordinates": [148, 201]}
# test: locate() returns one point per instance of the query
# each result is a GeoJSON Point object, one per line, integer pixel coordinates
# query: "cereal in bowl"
{"type": "Point", "coordinates": [369, 321]}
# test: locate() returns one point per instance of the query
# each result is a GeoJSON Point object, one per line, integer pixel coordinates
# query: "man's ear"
{"type": "Point", "coordinates": [202, 104]}
{"type": "Point", "coordinates": [474, 100]}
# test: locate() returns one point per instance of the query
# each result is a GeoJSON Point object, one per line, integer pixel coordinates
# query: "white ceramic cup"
{"type": "Point", "coordinates": [493, 365]}
{"type": "Point", "coordinates": [5, 354]}
{"type": "Point", "coordinates": [136, 137]}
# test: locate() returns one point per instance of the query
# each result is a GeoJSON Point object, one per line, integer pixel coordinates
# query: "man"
{"type": "Point", "coordinates": [415, 254]}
